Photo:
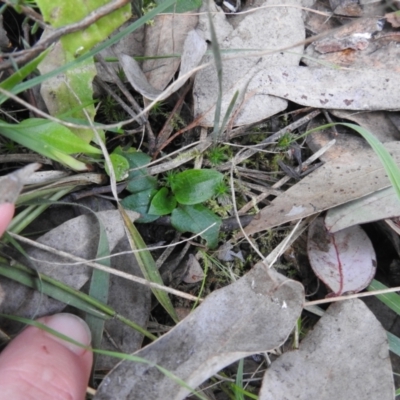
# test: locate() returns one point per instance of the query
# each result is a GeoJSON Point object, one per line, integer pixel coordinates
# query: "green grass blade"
{"type": "Point", "coordinates": [218, 65]}
{"type": "Point", "coordinates": [246, 393]}
{"type": "Point", "coordinates": [99, 288]}
{"type": "Point", "coordinates": [386, 159]}
{"type": "Point", "coordinates": [394, 343]}
{"type": "Point", "coordinates": [239, 381]}
{"type": "Point", "coordinates": [21, 74]}
{"type": "Point", "coordinates": [147, 264]}
{"type": "Point", "coordinates": [55, 289]}
{"type": "Point", "coordinates": [25, 217]}
{"type": "Point", "coordinates": [229, 111]}
{"type": "Point", "coordinates": [64, 293]}
{"type": "Point", "coordinates": [392, 300]}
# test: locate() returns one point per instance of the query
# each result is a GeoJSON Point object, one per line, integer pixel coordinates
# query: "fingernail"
{"type": "Point", "coordinates": [69, 325]}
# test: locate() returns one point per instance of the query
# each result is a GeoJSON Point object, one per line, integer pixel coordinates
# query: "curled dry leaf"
{"type": "Point", "coordinates": [12, 184]}
{"type": "Point", "coordinates": [346, 356]}
{"type": "Point", "coordinates": [254, 314]}
{"type": "Point", "coordinates": [345, 261]}
{"type": "Point", "coordinates": [193, 51]}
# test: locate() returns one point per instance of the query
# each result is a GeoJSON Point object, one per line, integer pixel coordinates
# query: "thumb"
{"type": "Point", "coordinates": [6, 214]}
{"type": "Point", "coordinates": [38, 365]}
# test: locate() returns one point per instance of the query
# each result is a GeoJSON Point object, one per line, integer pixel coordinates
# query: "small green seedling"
{"type": "Point", "coordinates": [181, 197]}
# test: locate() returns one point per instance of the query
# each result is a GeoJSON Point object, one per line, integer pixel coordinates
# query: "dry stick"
{"type": "Point", "coordinates": [118, 99]}
{"type": "Point", "coordinates": [352, 296]}
{"type": "Point", "coordinates": [30, 12]}
{"type": "Point", "coordinates": [198, 162]}
{"type": "Point", "coordinates": [165, 131]}
{"type": "Point", "coordinates": [122, 88]}
{"type": "Point", "coordinates": [180, 159]}
{"type": "Point", "coordinates": [170, 290]}
{"type": "Point", "coordinates": [231, 183]}
{"type": "Point", "coordinates": [50, 117]}
{"type": "Point", "coordinates": [244, 129]}
{"type": "Point", "coordinates": [24, 158]}
{"type": "Point", "coordinates": [192, 125]}
{"type": "Point", "coordinates": [324, 14]}
{"type": "Point", "coordinates": [103, 268]}
{"type": "Point", "coordinates": [26, 55]}
{"type": "Point", "coordinates": [169, 89]}
{"type": "Point", "coordinates": [286, 178]}
{"type": "Point", "coordinates": [167, 252]}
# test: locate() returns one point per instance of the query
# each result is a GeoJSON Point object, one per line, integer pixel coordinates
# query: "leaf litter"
{"type": "Point", "coordinates": [352, 68]}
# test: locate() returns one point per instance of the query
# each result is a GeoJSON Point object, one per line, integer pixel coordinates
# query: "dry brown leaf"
{"type": "Point", "coordinates": [165, 37]}
{"type": "Point", "coordinates": [194, 271]}
{"type": "Point", "coordinates": [393, 18]}
{"type": "Point", "coordinates": [131, 44]}
{"type": "Point", "coordinates": [382, 53]}
{"type": "Point", "coordinates": [346, 7]}
{"type": "Point", "coordinates": [252, 315]}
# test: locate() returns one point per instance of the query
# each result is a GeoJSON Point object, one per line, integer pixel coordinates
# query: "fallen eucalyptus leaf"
{"type": "Point", "coordinates": [243, 34]}
{"type": "Point", "coordinates": [346, 356]}
{"type": "Point", "coordinates": [131, 44]}
{"type": "Point", "coordinates": [381, 54]}
{"type": "Point", "coordinates": [78, 236]}
{"type": "Point", "coordinates": [345, 261]}
{"type": "Point", "coordinates": [130, 299]}
{"type": "Point", "coordinates": [254, 314]}
{"type": "Point", "coordinates": [331, 88]}
{"type": "Point", "coordinates": [347, 177]}
{"type": "Point", "coordinates": [374, 207]}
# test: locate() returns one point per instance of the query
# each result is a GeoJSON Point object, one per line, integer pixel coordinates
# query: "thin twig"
{"type": "Point", "coordinates": [240, 157]}
{"type": "Point", "coordinates": [352, 296]}
{"type": "Point", "coordinates": [118, 99]}
{"type": "Point", "coordinates": [103, 268]}
{"type": "Point", "coordinates": [166, 129]}
{"type": "Point", "coordinates": [286, 178]}
{"type": "Point", "coordinates": [122, 88]}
